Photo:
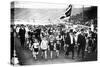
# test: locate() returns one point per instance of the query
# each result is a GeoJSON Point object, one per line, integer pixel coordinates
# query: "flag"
{"type": "Point", "coordinates": [62, 17]}
{"type": "Point", "coordinates": [68, 12]}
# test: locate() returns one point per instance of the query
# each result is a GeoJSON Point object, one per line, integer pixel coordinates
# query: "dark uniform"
{"type": "Point", "coordinates": [82, 42]}
{"type": "Point", "coordinates": [71, 46]}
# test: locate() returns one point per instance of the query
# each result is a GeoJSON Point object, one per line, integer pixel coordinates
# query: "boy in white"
{"type": "Point", "coordinates": [35, 47]}
{"type": "Point", "coordinates": [44, 47]}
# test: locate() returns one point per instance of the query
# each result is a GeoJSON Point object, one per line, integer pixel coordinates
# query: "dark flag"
{"type": "Point", "coordinates": [62, 17]}
{"type": "Point", "coordinates": [68, 12]}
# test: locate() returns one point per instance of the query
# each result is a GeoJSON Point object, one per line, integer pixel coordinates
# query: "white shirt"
{"type": "Point", "coordinates": [35, 45]}
{"type": "Point", "coordinates": [76, 37]}
{"type": "Point", "coordinates": [92, 27]}
{"type": "Point", "coordinates": [17, 30]}
{"type": "Point", "coordinates": [44, 44]}
{"type": "Point", "coordinates": [71, 37]}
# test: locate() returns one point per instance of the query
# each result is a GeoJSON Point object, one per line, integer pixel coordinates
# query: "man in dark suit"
{"type": "Point", "coordinates": [70, 43]}
{"type": "Point", "coordinates": [37, 34]}
{"type": "Point", "coordinates": [22, 35]}
{"type": "Point", "coordinates": [81, 41]}
{"type": "Point", "coordinates": [94, 38]}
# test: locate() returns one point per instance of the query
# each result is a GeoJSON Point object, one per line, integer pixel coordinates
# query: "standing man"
{"type": "Point", "coordinates": [81, 41]}
{"type": "Point", "coordinates": [22, 35]}
{"type": "Point", "coordinates": [70, 43]}
{"type": "Point", "coordinates": [94, 38]}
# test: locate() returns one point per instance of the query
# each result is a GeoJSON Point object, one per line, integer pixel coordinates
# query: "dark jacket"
{"type": "Point", "coordinates": [81, 40]}
{"type": "Point", "coordinates": [22, 32]}
{"type": "Point", "coordinates": [68, 40]}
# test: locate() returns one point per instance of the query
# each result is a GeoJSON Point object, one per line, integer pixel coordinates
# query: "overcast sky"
{"type": "Point", "coordinates": [42, 11]}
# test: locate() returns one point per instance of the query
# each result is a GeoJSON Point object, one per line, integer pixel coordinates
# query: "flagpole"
{"type": "Point", "coordinates": [70, 15]}
{"type": "Point", "coordinates": [83, 14]}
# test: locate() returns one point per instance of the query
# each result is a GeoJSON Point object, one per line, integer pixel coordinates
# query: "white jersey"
{"type": "Point", "coordinates": [44, 44]}
{"type": "Point", "coordinates": [36, 45]}
{"type": "Point", "coordinates": [76, 37]}
{"type": "Point", "coordinates": [17, 29]}
{"type": "Point", "coordinates": [26, 34]}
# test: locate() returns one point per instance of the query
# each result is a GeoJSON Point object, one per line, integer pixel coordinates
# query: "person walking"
{"type": "Point", "coordinates": [70, 43]}
{"type": "Point", "coordinates": [22, 35]}
{"type": "Point", "coordinates": [81, 41]}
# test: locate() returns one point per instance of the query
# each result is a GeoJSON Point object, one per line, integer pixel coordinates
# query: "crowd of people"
{"type": "Point", "coordinates": [55, 38]}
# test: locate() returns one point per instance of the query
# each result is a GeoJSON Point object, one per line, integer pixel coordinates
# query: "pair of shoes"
{"type": "Point", "coordinates": [57, 56]}
{"type": "Point", "coordinates": [42, 57]}
{"type": "Point", "coordinates": [72, 57]}
{"type": "Point", "coordinates": [46, 59]}
{"type": "Point", "coordinates": [36, 59]}
{"type": "Point", "coordinates": [51, 58]}
{"type": "Point", "coordinates": [77, 56]}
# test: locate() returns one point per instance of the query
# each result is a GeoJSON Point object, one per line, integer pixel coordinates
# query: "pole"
{"type": "Point", "coordinates": [70, 15]}
{"type": "Point", "coordinates": [83, 15]}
